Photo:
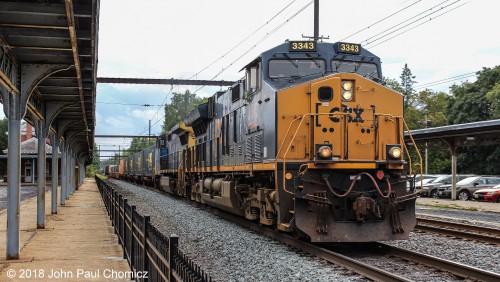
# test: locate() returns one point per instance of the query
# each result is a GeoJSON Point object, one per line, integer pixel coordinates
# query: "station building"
{"type": "Point", "coordinates": [29, 155]}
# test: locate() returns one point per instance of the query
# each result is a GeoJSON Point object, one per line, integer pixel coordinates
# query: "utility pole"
{"type": "Point", "coordinates": [426, 123]}
{"type": "Point", "coordinates": [316, 20]}
{"type": "Point", "coordinates": [149, 133]}
{"type": "Point", "coordinates": [316, 35]}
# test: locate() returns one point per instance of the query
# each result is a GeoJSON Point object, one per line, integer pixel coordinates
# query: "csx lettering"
{"type": "Point", "coordinates": [350, 118]}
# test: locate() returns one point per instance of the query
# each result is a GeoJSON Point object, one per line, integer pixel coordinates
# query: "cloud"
{"type": "Point", "coordinates": [144, 114]}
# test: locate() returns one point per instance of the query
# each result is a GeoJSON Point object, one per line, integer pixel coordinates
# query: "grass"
{"type": "Point", "coordinates": [449, 206]}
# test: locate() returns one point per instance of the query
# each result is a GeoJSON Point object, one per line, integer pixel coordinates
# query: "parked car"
{"type": "Point", "coordinates": [488, 194]}
{"type": "Point", "coordinates": [425, 178]}
{"type": "Point", "coordinates": [466, 187]}
{"type": "Point", "coordinates": [429, 189]}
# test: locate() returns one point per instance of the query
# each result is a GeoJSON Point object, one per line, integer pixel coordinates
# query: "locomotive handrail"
{"type": "Point", "coordinates": [391, 117]}
{"type": "Point", "coordinates": [302, 118]}
{"type": "Point", "coordinates": [418, 153]}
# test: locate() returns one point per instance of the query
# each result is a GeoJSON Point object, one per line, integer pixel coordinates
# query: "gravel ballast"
{"type": "Point", "coordinates": [232, 253]}
{"type": "Point", "coordinates": [228, 251]}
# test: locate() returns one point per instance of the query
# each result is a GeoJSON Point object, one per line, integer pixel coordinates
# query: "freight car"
{"type": "Point", "coordinates": [309, 141]}
{"type": "Point", "coordinates": [140, 167]}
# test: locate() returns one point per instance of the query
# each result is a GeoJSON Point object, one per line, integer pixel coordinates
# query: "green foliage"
{"type": "Point", "coordinates": [4, 128]}
{"type": "Point", "coordinates": [91, 170]}
{"type": "Point", "coordinates": [424, 109]}
{"type": "Point", "coordinates": [407, 81]}
{"type": "Point", "coordinates": [4, 141]}
{"type": "Point", "coordinates": [180, 105]}
{"type": "Point", "coordinates": [493, 96]}
{"type": "Point", "coordinates": [477, 101]}
{"type": "Point", "coordinates": [471, 101]}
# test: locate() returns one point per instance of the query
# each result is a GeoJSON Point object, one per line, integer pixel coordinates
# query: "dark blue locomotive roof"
{"type": "Point", "coordinates": [327, 53]}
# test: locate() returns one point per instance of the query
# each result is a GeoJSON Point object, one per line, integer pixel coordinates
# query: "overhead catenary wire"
{"type": "Point", "coordinates": [126, 104]}
{"type": "Point", "coordinates": [446, 80]}
{"type": "Point", "coordinates": [225, 54]}
{"type": "Point", "coordinates": [259, 42]}
{"type": "Point", "coordinates": [385, 33]}
{"type": "Point", "coordinates": [379, 21]}
{"type": "Point", "coordinates": [243, 40]}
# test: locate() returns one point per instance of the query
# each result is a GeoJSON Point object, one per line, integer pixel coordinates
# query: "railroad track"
{"type": "Point", "coordinates": [355, 262]}
{"type": "Point", "coordinates": [460, 230]}
{"type": "Point", "coordinates": [364, 269]}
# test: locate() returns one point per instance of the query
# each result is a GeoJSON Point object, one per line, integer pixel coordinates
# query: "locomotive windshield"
{"type": "Point", "coordinates": [363, 69]}
{"type": "Point", "coordinates": [295, 68]}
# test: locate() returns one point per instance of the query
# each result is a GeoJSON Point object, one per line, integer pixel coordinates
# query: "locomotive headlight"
{"type": "Point", "coordinates": [325, 152]}
{"type": "Point", "coordinates": [347, 85]}
{"type": "Point", "coordinates": [347, 90]}
{"type": "Point", "coordinates": [395, 152]}
{"type": "Point", "coordinates": [347, 95]}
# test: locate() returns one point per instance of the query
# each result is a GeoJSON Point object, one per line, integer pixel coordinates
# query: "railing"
{"type": "Point", "coordinates": [151, 255]}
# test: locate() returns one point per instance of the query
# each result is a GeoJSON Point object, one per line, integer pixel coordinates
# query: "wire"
{"type": "Point", "coordinates": [404, 31]}
{"type": "Point", "coordinates": [124, 104]}
{"type": "Point", "coordinates": [245, 39]}
{"type": "Point", "coordinates": [259, 42]}
{"type": "Point", "coordinates": [157, 110]}
{"type": "Point", "coordinates": [446, 80]}
{"type": "Point", "coordinates": [379, 21]}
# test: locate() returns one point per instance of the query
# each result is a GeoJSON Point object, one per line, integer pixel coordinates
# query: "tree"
{"type": "Point", "coordinates": [91, 169]}
{"type": "Point", "coordinates": [471, 102]}
{"type": "Point", "coordinates": [180, 105]}
{"type": "Point", "coordinates": [407, 81]}
{"type": "Point", "coordinates": [4, 141]}
{"type": "Point", "coordinates": [4, 128]}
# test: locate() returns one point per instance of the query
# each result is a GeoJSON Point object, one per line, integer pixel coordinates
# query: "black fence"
{"type": "Point", "coordinates": [151, 255]}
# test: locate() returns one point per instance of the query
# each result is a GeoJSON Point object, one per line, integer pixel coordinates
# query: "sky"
{"type": "Point", "coordinates": [179, 39]}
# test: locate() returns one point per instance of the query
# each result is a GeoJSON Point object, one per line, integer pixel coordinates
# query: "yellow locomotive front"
{"type": "Point", "coordinates": [340, 167]}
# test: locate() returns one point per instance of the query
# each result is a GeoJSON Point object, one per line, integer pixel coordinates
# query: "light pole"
{"type": "Point", "coordinates": [426, 123]}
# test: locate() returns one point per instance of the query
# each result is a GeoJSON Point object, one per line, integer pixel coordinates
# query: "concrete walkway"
{"type": "Point", "coordinates": [78, 243]}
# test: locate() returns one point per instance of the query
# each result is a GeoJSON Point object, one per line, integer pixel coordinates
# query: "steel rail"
{"type": "Point", "coordinates": [359, 267]}
{"type": "Point", "coordinates": [456, 268]}
{"type": "Point", "coordinates": [483, 234]}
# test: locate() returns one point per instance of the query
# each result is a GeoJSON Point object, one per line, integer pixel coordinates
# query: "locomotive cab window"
{"type": "Point", "coordinates": [295, 68]}
{"type": "Point", "coordinates": [253, 78]}
{"type": "Point", "coordinates": [364, 69]}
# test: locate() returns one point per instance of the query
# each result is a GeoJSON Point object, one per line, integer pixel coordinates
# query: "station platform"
{"type": "Point", "coordinates": [457, 204]}
{"type": "Point", "coordinates": [77, 244]}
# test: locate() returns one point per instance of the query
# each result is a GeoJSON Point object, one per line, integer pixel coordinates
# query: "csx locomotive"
{"type": "Point", "coordinates": [308, 141]}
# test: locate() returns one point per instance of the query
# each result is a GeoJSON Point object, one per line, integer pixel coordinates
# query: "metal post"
{"type": "Point", "coordinates": [316, 20]}
{"type": "Point", "coordinates": [453, 173]}
{"type": "Point", "coordinates": [67, 191]}
{"type": "Point", "coordinates": [173, 244]}
{"type": "Point", "coordinates": [132, 238]}
{"type": "Point", "coordinates": [33, 171]}
{"type": "Point", "coordinates": [14, 184]}
{"type": "Point", "coordinates": [124, 229]}
{"type": "Point", "coordinates": [55, 171]}
{"type": "Point", "coordinates": [41, 160]}
{"type": "Point", "coordinates": [64, 173]}
{"type": "Point", "coordinates": [145, 260]}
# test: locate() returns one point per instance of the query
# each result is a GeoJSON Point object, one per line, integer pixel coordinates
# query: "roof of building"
{"type": "Point", "coordinates": [30, 147]}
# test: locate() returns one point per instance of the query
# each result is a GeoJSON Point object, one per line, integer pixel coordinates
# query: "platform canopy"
{"type": "Point", "coordinates": [52, 45]}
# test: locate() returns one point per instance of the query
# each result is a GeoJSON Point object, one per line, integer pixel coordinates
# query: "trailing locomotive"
{"type": "Point", "coordinates": [309, 141]}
